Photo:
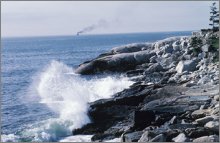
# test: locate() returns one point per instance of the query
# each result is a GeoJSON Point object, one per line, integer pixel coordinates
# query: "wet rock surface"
{"type": "Point", "coordinates": [175, 97]}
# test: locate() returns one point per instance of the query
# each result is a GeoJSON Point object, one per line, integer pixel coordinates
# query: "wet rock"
{"type": "Point", "coordinates": [213, 126]}
{"type": "Point", "coordinates": [204, 120]}
{"type": "Point", "coordinates": [180, 138]}
{"type": "Point", "coordinates": [212, 138]}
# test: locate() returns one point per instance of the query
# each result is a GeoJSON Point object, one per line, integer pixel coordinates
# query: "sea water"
{"type": "Point", "coordinates": [42, 99]}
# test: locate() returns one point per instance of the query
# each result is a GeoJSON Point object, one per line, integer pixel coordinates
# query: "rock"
{"type": "Point", "coordinates": [179, 104]}
{"type": "Point", "coordinates": [131, 48]}
{"type": "Point", "coordinates": [180, 138]}
{"type": "Point", "coordinates": [187, 57]}
{"type": "Point", "coordinates": [196, 132]}
{"type": "Point", "coordinates": [158, 138]}
{"type": "Point", "coordinates": [134, 72]}
{"type": "Point", "coordinates": [132, 137]}
{"type": "Point", "coordinates": [147, 136]}
{"type": "Point", "coordinates": [212, 138]}
{"type": "Point", "coordinates": [166, 55]}
{"type": "Point", "coordinates": [188, 65]}
{"type": "Point", "coordinates": [184, 44]}
{"type": "Point", "coordinates": [216, 97]}
{"type": "Point", "coordinates": [198, 114]}
{"type": "Point", "coordinates": [154, 68]}
{"type": "Point", "coordinates": [118, 62]}
{"type": "Point", "coordinates": [213, 126]}
{"type": "Point", "coordinates": [201, 55]}
{"type": "Point", "coordinates": [167, 41]}
{"type": "Point", "coordinates": [170, 134]}
{"type": "Point", "coordinates": [176, 46]}
{"type": "Point", "coordinates": [167, 49]}
{"type": "Point", "coordinates": [143, 119]}
{"type": "Point", "coordinates": [153, 59]}
{"type": "Point", "coordinates": [205, 48]}
{"type": "Point", "coordinates": [204, 120]}
{"type": "Point", "coordinates": [173, 120]}
{"type": "Point", "coordinates": [204, 80]}
{"type": "Point", "coordinates": [182, 126]}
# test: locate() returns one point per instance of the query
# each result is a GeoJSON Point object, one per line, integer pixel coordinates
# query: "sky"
{"type": "Point", "coordinates": [44, 18]}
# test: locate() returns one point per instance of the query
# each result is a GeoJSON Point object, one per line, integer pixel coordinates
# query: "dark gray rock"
{"type": "Point", "coordinates": [143, 119]}
{"type": "Point", "coordinates": [179, 104]}
{"type": "Point", "coordinates": [132, 137]}
{"type": "Point", "coordinates": [196, 132]}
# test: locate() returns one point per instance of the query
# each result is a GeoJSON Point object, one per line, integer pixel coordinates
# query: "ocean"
{"type": "Point", "coordinates": [42, 99]}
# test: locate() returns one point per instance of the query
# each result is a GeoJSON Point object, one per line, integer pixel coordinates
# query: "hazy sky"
{"type": "Point", "coordinates": [38, 18]}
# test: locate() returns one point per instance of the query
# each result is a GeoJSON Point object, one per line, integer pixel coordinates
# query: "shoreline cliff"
{"type": "Point", "coordinates": [175, 97]}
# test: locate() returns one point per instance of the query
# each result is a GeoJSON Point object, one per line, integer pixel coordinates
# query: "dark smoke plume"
{"type": "Point", "coordinates": [101, 23]}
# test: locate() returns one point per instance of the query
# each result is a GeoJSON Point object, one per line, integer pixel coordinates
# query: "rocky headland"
{"type": "Point", "coordinates": [175, 97]}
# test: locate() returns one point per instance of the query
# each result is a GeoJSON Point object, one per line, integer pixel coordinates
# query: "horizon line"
{"type": "Point", "coordinates": [88, 34]}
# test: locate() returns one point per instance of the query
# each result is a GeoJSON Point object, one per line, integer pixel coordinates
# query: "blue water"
{"type": "Point", "coordinates": [23, 62]}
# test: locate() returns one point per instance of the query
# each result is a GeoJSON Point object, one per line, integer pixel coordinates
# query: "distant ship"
{"type": "Point", "coordinates": [78, 33]}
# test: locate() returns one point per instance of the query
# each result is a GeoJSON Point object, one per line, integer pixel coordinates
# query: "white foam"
{"type": "Point", "coordinates": [77, 138]}
{"type": "Point", "coordinates": [68, 95]}
{"type": "Point", "coordinates": [114, 140]}
{"type": "Point", "coordinates": [9, 138]}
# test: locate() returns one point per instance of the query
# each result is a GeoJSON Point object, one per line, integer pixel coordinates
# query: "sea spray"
{"type": "Point", "coordinates": [68, 94]}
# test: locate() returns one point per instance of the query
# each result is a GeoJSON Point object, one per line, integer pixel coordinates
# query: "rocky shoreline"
{"type": "Point", "coordinates": [175, 97]}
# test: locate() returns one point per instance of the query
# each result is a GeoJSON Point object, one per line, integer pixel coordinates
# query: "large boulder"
{"type": "Point", "coordinates": [187, 65]}
{"type": "Point", "coordinates": [115, 63]}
